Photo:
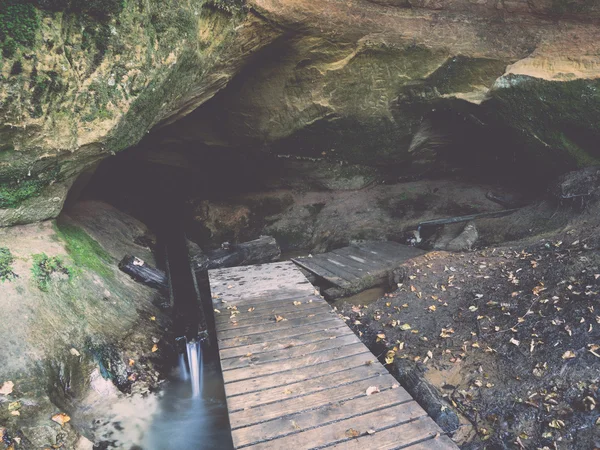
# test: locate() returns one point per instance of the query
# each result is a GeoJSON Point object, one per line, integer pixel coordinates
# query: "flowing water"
{"type": "Point", "coordinates": [185, 421]}
{"type": "Point", "coordinates": [195, 363]}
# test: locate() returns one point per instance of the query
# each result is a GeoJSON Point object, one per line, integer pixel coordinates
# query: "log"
{"type": "Point", "coordinates": [430, 399]}
{"type": "Point", "coordinates": [262, 250]}
{"type": "Point", "coordinates": [458, 219]}
{"type": "Point", "coordinates": [144, 273]}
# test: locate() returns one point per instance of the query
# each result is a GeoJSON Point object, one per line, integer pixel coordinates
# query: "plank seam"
{"type": "Point", "coordinates": [303, 367]}
{"type": "Point", "coordinates": [273, 322]}
{"type": "Point", "coordinates": [375, 375]}
{"type": "Point", "coordinates": [341, 420]}
{"type": "Point", "coordinates": [260, 363]}
{"type": "Point", "coordinates": [295, 346]}
{"type": "Point", "coordinates": [324, 405]}
{"type": "Point", "coordinates": [399, 424]}
{"type": "Point", "coordinates": [300, 381]}
{"type": "Point", "coordinates": [250, 316]}
{"type": "Point", "coordinates": [287, 337]}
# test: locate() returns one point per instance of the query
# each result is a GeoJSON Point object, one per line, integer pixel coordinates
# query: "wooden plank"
{"type": "Point", "coordinates": [421, 431]}
{"type": "Point", "coordinates": [238, 321]}
{"type": "Point", "coordinates": [264, 413]}
{"type": "Point", "coordinates": [302, 382]}
{"type": "Point", "coordinates": [264, 280]}
{"type": "Point", "coordinates": [286, 353]}
{"type": "Point", "coordinates": [270, 324]}
{"type": "Point", "coordinates": [257, 308]}
{"type": "Point", "coordinates": [318, 270]}
{"type": "Point", "coordinates": [328, 413]}
{"type": "Point", "coordinates": [322, 263]}
{"type": "Point", "coordinates": [347, 266]}
{"type": "Point", "coordinates": [285, 365]}
{"type": "Point", "coordinates": [356, 254]}
{"type": "Point", "coordinates": [375, 373]}
{"type": "Point", "coordinates": [359, 264]}
{"type": "Point", "coordinates": [436, 443]}
{"type": "Point", "coordinates": [306, 373]}
{"type": "Point", "coordinates": [318, 336]}
{"type": "Point", "coordinates": [277, 335]}
{"type": "Point", "coordinates": [393, 250]}
{"type": "Point", "coordinates": [408, 414]}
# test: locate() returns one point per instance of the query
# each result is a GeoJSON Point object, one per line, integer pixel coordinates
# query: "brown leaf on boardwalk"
{"type": "Point", "coordinates": [297, 303]}
{"type": "Point", "coordinates": [279, 318]}
{"type": "Point", "coordinates": [352, 433]}
{"type": "Point", "coordinates": [61, 418]}
{"type": "Point", "coordinates": [372, 390]}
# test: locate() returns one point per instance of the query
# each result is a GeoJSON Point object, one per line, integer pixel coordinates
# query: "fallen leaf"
{"type": "Point", "coordinates": [74, 352]}
{"type": "Point", "coordinates": [514, 342]}
{"type": "Point", "coordinates": [15, 413]}
{"type": "Point", "coordinates": [131, 362]}
{"type": "Point", "coordinates": [405, 327]}
{"type": "Point", "coordinates": [297, 303]}
{"type": "Point", "coordinates": [7, 388]}
{"type": "Point", "coordinates": [153, 318]}
{"type": "Point", "coordinates": [251, 309]}
{"type": "Point", "coordinates": [279, 318]}
{"type": "Point", "coordinates": [61, 418]}
{"type": "Point", "coordinates": [154, 348]}
{"type": "Point", "coordinates": [568, 355]}
{"type": "Point", "coordinates": [370, 431]}
{"type": "Point", "coordinates": [372, 390]}
{"type": "Point", "coordinates": [351, 432]}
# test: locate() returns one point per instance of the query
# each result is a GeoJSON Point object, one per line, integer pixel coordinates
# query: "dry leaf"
{"type": "Point", "coordinates": [514, 341]}
{"type": "Point", "coordinates": [297, 303]}
{"type": "Point", "coordinates": [372, 390]}
{"type": "Point", "coordinates": [568, 355]}
{"type": "Point", "coordinates": [61, 418]}
{"type": "Point", "coordinates": [7, 388]}
{"type": "Point", "coordinates": [351, 432]}
{"type": "Point", "coordinates": [251, 309]}
{"type": "Point", "coordinates": [279, 318]}
{"type": "Point", "coordinates": [370, 431]}
{"type": "Point", "coordinates": [153, 318]}
{"type": "Point", "coordinates": [74, 352]}
{"type": "Point", "coordinates": [154, 348]}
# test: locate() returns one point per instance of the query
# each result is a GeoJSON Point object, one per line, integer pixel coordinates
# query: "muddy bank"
{"type": "Point", "coordinates": [509, 335]}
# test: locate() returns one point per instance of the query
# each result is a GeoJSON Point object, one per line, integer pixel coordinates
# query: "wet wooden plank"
{"type": "Point", "coordinates": [422, 431]}
{"type": "Point", "coordinates": [358, 267]}
{"type": "Point", "coordinates": [376, 375]}
{"type": "Point", "coordinates": [277, 335]}
{"type": "Point", "coordinates": [316, 336]}
{"type": "Point", "coordinates": [327, 397]}
{"type": "Point", "coordinates": [239, 321]}
{"type": "Point", "coordinates": [306, 373]}
{"type": "Point", "coordinates": [302, 382]}
{"type": "Point", "coordinates": [276, 323]}
{"type": "Point", "coordinates": [285, 365]}
{"type": "Point", "coordinates": [323, 415]}
{"type": "Point", "coordinates": [290, 352]}
{"type": "Point", "coordinates": [344, 430]}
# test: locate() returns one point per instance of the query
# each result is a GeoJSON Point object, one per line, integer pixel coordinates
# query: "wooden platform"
{"type": "Point", "coordinates": [296, 377]}
{"type": "Point", "coordinates": [359, 267]}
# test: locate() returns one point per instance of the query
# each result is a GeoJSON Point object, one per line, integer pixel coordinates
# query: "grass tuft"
{"type": "Point", "coordinates": [6, 261]}
{"type": "Point", "coordinates": [43, 268]}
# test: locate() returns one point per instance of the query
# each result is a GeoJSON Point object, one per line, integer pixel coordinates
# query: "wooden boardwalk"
{"type": "Point", "coordinates": [359, 267]}
{"type": "Point", "coordinates": [296, 377]}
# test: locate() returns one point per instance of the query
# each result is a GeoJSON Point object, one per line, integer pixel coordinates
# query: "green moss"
{"type": "Point", "coordinates": [19, 20]}
{"type": "Point", "coordinates": [13, 195]}
{"type": "Point", "coordinates": [85, 251]}
{"type": "Point", "coordinates": [6, 261]}
{"type": "Point", "coordinates": [43, 268]}
{"type": "Point", "coordinates": [9, 48]}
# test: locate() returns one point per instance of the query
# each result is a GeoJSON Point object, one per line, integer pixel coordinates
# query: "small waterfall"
{"type": "Point", "coordinates": [184, 373]}
{"type": "Point", "coordinates": [194, 354]}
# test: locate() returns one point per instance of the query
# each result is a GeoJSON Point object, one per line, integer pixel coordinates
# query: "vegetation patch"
{"type": "Point", "coordinates": [45, 266]}
{"type": "Point", "coordinates": [85, 251]}
{"type": "Point", "coordinates": [6, 261]}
